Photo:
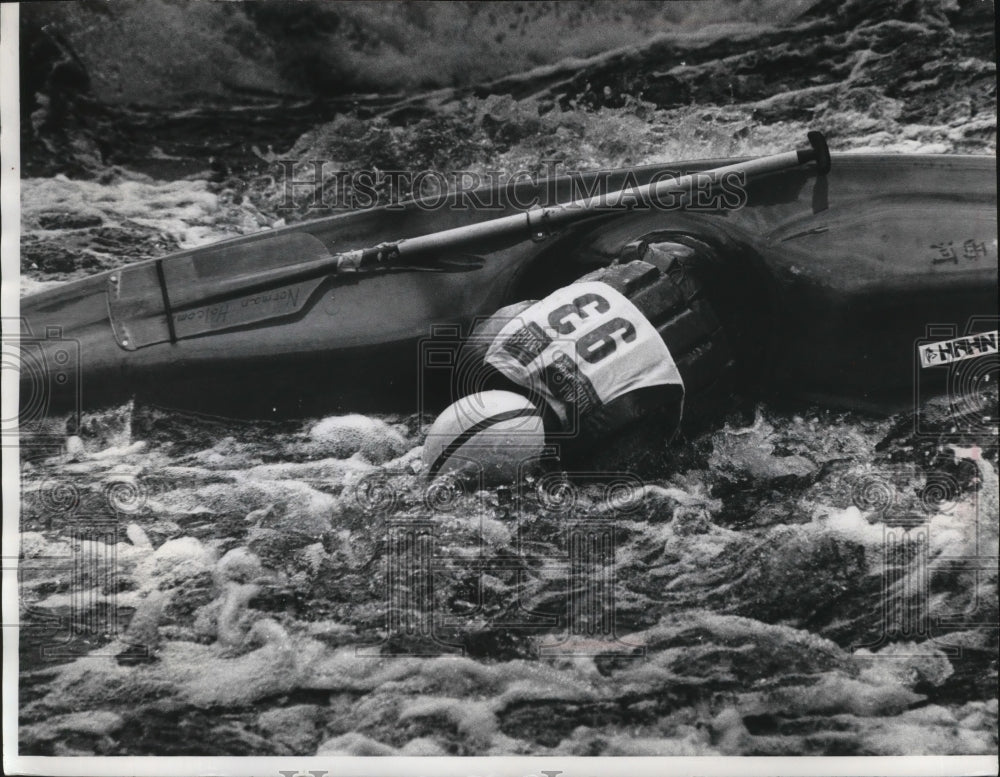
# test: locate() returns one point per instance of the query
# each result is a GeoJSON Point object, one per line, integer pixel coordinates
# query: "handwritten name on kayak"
{"type": "Point", "coordinates": [947, 351]}
{"type": "Point", "coordinates": [245, 310]}
{"type": "Point", "coordinates": [970, 250]}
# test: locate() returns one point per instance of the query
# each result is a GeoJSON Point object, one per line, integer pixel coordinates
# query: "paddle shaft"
{"type": "Point", "coordinates": [536, 223]}
{"type": "Point", "coordinates": [532, 224]}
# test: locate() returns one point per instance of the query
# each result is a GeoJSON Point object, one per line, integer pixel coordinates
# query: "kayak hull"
{"type": "Point", "coordinates": [831, 281]}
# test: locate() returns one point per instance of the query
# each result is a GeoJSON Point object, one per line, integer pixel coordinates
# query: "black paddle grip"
{"type": "Point", "coordinates": [818, 152]}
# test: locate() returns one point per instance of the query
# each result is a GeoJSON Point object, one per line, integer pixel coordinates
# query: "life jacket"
{"type": "Point", "coordinates": [611, 316]}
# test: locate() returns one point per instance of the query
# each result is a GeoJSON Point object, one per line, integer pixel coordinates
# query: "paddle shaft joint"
{"type": "Point", "coordinates": [362, 259]}
{"type": "Point", "coordinates": [817, 152]}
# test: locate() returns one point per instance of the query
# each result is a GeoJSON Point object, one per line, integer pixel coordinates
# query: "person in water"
{"type": "Point", "coordinates": [612, 364]}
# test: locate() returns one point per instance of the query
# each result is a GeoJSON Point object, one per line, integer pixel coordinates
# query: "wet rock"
{"type": "Point", "coordinates": [53, 258]}
{"type": "Point", "coordinates": [68, 220]}
{"type": "Point", "coordinates": [130, 238]}
{"type": "Point", "coordinates": [92, 248]}
{"type": "Point", "coordinates": [67, 129]}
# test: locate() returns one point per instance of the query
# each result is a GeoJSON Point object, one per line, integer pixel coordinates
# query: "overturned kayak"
{"type": "Point", "coordinates": [827, 281]}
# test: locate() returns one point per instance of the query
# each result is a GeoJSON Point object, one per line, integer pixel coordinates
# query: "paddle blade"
{"type": "Point", "coordinates": [199, 293]}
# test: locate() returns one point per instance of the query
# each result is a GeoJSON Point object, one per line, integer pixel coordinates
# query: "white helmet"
{"type": "Point", "coordinates": [493, 435]}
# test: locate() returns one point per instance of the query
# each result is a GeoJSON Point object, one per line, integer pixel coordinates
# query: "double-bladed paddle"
{"type": "Point", "coordinates": [231, 286]}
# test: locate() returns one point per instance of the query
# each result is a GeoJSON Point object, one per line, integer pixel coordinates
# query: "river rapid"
{"type": "Point", "coordinates": [793, 581]}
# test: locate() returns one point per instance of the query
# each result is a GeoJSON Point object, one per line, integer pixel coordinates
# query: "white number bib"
{"type": "Point", "coordinates": [581, 347]}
